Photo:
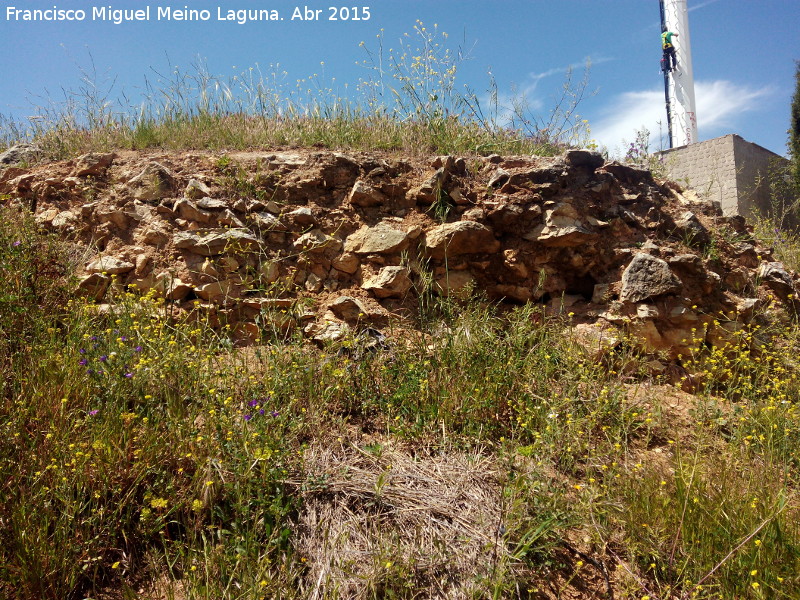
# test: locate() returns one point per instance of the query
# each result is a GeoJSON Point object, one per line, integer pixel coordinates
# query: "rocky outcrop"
{"type": "Point", "coordinates": [357, 238]}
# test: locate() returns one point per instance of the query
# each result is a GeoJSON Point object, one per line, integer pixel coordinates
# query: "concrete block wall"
{"type": "Point", "coordinates": [728, 170]}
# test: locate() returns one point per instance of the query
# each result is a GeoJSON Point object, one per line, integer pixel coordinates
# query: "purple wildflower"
{"type": "Point", "coordinates": [123, 338]}
{"type": "Point", "coordinates": [248, 417]}
{"type": "Point", "coordinates": [83, 362]}
{"type": "Point", "coordinates": [137, 349]}
{"type": "Point", "coordinates": [93, 338]}
{"type": "Point", "coordinates": [93, 412]}
{"type": "Point", "coordinates": [103, 358]}
{"type": "Point", "coordinates": [90, 371]}
{"type": "Point", "coordinates": [274, 413]}
{"type": "Point", "coordinates": [82, 350]}
{"type": "Point", "coordinates": [261, 412]}
{"type": "Point", "coordinates": [17, 243]}
{"type": "Point", "coordinates": [128, 375]}
{"type": "Point", "coordinates": [252, 403]}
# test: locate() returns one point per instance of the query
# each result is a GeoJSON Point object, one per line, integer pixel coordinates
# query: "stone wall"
{"type": "Point", "coordinates": [728, 170]}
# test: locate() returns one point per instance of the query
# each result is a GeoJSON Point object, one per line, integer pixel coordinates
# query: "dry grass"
{"type": "Point", "coordinates": [371, 520]}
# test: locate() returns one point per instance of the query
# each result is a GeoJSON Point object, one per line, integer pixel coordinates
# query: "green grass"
{"type": "Point", "coordinates": [140, 451]}
{"type": "Point", "coordinates": [408, 100]}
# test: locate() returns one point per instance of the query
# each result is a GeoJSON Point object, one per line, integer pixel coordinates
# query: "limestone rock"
{"type": "Point", "coordinates": [110, 265]}
{"type": "Point", "coordinates": [563, 228]}
{"type": "Point", "coordinates": [348, 308]}
{"type": "Point", "coordinates": [302, 217]}
{"type": "Point", "coordinates": [266, 221]}
{"type": "Point", "coordinates": [173, 288]}
{"type": "Point", "coordinates": [346, 263]}
{"type": "Point", "coordinates": [189, 210]}
{"type": "Point", "coordinates": [381, 239]}
{"type": "Point", "coordinates": [498, 178]}
{"type": "Point", "coordinates": [390, 282]}
{"type": "Point", "coordinates": [775, 275]}
{"type": "Point", "coordinates": [461, 237]}
{"type": "Point", "coordinates": [328, 332]}
{"type": "Point", "coordinates": [213, 242]}
{"type": "Point", "coordinates": [116, 217]}
{"type": "Point", "coordinates": [691, 229]}
{"type": "Point", "coordinates": [454, 283]}
{"type": "Point", "coordinates": [227, 217]}
{"type": "Point", "coordinates": [313, 283]}
{"type": "Point", "coordinates": [646, 277]}
{"type": "Point", "coordinates": [365, 195]}
{"type": "Point", "coordinates": [268, 272]}
{"type": "Point", "coordinates": [196, 190]}
{"type": "Point", "coordinates": [595, 339]}
{"type": "Point", "coordinates": [207, 203]}
{"type": "Point", "coordinates": [65, 220]}
{"type": "Point", "coordinates": [94, 285]}
{"type": "Point", "coordinates": [219, 291]}
{"type": "Point", "coordinates": [19, 154]}
{"type": "Point", "coordinates": [93, 164]}
{"type": "Point", "coordinates": [584, 158]}
{"type": "Point", "coordinates": [153, 183]}
{"type": "Point", "coordinates": [317, 242]}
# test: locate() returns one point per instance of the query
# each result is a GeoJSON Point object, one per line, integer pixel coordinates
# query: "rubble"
{"type": "Point", "coordinates": [359, 237]}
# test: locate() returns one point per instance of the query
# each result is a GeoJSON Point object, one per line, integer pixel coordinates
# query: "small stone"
{"type": "Point", "coordinates": [313, 283]}
{"type": "Point", "coordinates": [94, 286]}
{"type": "Point", "coordinates": [110, 265]}
{"type": "Point", "coordinates": [64, 220]}
{"type": "Point", "coordinates": [229, 264]}
{"type": "Point", "coordinates": [455, 283]}
{"type": "Point", "coordinates": [390, 282]}
{"type": "Point", "coordinates": [346, 263]}
{"type": "Point", "coordinates": [498, 178]}
{"type": "Point", "coordinates": [188, 210]}
{"type": "Point", "coordinates": [647, 311]}
{"type": "Point", "coordinates": [215, 242]}
{"type": "Point", "coordinates": [365, 195]}
{"type": "Point", "coordinates": [269, 272]}
{"type": "Point", "coordinates": [317, 242]}
{"type": "Point", "coordinates": [172, 287]}
{"type": "Point", "coordinates": [646, 277]}
{"type": "Point", "coordinates": [461, 237]}
{"type": "Point", "coordinates": [348, 308]}
{"type": "Point", "coordinates": [153, 183]}
{"type": "Point", "coordinates": [93, 164]}
{"type": "Point", "coordinates": [219, 291]}
{"type": "Point", "coordinates": [601, 294]}
{"type": "Point", "coordinates": [381, 239]}
{"type": "Point", "coordinates": [584, 158]}
{"type": "Point", "coordinates": [302, 216]}
{"type": "Point", "coordinates": [266, 221]}
{"type": "Point", "coordinates": [196, 189]}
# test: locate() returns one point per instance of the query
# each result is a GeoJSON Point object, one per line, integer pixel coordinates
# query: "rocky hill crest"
{"type": "Point", "coordinates": [326, 241]}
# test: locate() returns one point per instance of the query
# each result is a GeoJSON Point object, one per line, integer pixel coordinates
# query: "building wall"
{"type": "Point", "coordinates": [709, 168]}
{"type": "Point", "coordinates": [728, 170]}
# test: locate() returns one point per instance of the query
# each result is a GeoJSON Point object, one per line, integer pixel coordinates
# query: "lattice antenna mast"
{"type": "Point", "coordinates": [679, 82]}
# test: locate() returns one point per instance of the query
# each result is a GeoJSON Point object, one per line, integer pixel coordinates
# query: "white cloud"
{"type": "Point", "coordinates": [719, 105]}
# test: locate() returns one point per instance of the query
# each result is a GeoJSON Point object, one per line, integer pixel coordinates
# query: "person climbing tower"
{"type": "Point", "coordinates": [669, 51]}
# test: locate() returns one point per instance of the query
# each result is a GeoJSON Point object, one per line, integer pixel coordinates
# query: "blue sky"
{"type": "Point", "coordinates": [743, 54]}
